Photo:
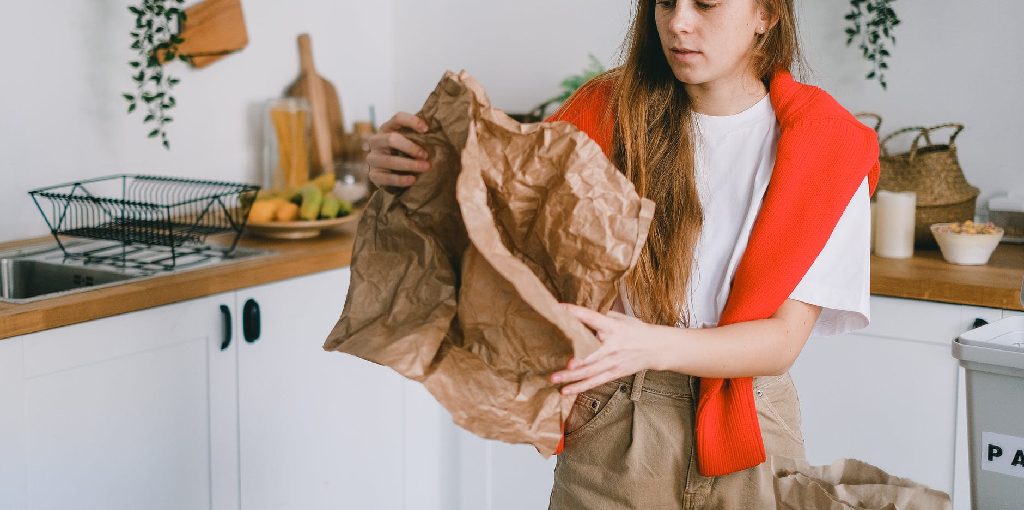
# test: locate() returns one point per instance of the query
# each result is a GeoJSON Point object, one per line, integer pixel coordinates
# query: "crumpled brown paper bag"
{"type": "Point", "coordinates": [847, 484]}
{"type": "Point", "coordinates": [456, 280]}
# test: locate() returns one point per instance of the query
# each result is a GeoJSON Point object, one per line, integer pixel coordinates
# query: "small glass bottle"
{"type": "Point", "coordinates": [353, 184]}
{"type": "Point", "coordinates": [286, 143]}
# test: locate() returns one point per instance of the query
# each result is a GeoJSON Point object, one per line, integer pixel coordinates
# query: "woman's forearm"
{"type": "Point", "coordinates": [744, 349]}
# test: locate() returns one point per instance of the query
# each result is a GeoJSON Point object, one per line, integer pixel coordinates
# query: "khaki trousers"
{"type": "Point", "coordinates": [629, 445]}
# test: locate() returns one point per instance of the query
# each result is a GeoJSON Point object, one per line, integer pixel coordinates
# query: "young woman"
{"type": "Point", "coordinates": [760, 239]}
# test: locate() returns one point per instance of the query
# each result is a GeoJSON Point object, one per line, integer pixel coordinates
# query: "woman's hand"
{"type": "Point", "coordinates": [392, 156]}
{"type": "Point", "coordinates": [628, 345]}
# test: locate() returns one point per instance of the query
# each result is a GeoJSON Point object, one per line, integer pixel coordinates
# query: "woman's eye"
{"type": "Point", "coordinates": [668, 4]}
{"type": "Point", "coordinates": [705, 6]}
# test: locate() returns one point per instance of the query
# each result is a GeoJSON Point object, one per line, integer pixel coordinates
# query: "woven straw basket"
{"type": "Point", "coordinates": [933, 172]}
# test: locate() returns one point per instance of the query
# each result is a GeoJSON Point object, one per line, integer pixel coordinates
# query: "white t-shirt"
{"type": "Point", "coordinates": [734, 158]}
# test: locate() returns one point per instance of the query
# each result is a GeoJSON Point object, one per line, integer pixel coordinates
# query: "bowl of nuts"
{"type": "Point", "coordinates": [967, 243]}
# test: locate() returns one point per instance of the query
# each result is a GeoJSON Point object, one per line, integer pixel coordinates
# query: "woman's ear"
{"type": "Point", "coordinates": [766, 20]}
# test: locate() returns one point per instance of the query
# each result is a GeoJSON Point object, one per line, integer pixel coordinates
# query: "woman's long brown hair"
{"type": "Point", "coordinates": [653, 144]}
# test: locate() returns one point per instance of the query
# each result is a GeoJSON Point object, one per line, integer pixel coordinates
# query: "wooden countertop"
{"type": "Point", "coordinates": [331, 250]}
{"type": "Point", "coordinates": [925, 276]}
{"type": "Point", "coordinates": [928, 276]}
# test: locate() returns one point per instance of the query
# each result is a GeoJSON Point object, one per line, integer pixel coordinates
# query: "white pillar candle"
{"type": "Point", "coordinates": [894, 223]}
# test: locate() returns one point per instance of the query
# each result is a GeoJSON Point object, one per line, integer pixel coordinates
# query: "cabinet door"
{"type": "Point", "coordinates": [447, 467]}
{"type": "Point", "coordinates": [885, 394]}
{"type": "Point", "coordinates": [499, 476]}
{"type": "Point", "coordinates": [12, 425]}
{"type": "Point", "coordinates": [116, 412]}
{"type": "Point", "coordinates": [317, 429]}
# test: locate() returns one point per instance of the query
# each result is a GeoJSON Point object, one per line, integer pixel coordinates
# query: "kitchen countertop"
{"type": "Point", "coordinates": [925, 276]}
{"type": "Point", "coordinates": [331, 250]}
{"type": "Point", "coordinates": [928, 276]}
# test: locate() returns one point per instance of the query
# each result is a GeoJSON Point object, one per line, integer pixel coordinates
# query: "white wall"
{"type": "Point", "coordinates": [62, 116]}
{"type": "Point", "coordinates": [954, 61]}
{"type": "Point", "coordinates": [519, 51]}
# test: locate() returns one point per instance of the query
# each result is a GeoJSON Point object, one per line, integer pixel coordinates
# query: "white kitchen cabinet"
{"type": "Point", "coordinates": [146, 410]}
{"type": "Point", "coordinates": [430, 444]}
{"type": "Point", "coordinates": [12, 424]}
{"type": "Point", "coordinates": [887, 394]}
{"type": "Point", "coordinates": [449, 468]}
{"type": "Point", "coordinates": [113, 413]}
{"type": "Point", "coordinates": [494, 475]}
{"type": "Point", "coordinates": [316, 429]}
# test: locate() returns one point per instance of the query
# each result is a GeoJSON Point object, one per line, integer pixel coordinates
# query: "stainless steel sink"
{"type": "Point", "coordinates": [23, 279]}
{"type": "Point", "coordinates": [46, 272]}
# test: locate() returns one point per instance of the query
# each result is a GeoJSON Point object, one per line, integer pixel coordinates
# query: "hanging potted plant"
{"type": "Point", "coordinates": [155, 40]}
{"type": "Point", "coordinates": [871, 23]}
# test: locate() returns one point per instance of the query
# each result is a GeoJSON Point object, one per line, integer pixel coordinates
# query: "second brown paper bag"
{"type": "Point", "coordinates": [456, 280]}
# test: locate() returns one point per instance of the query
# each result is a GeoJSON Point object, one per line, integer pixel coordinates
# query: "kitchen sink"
{"type": "Point", "coordinates": [24, 279]}
{"type": "Point", "coordinates": [48, 271]}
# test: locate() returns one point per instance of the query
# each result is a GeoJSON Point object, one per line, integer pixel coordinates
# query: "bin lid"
{"type": "Point", "coordinates": [1006, 334]}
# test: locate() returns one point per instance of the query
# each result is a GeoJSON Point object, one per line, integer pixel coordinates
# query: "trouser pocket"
{"type": "Point", "coordinates": [590, 406]}
{"type": "Point", "coordinates": [778, 403]}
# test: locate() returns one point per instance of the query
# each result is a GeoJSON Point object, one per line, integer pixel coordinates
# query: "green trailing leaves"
{"type": "Point", "coordinates": [570, 84]}
{"type": "Point", "coordinates": [157, 25]}
{"type": "Point", "coordinates": [871, 25]}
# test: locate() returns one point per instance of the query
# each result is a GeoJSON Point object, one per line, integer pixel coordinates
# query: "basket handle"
{"type": "Point", "coordinates": [875, 116]}
{"type": "Point", "coordinates": [957, 128]}
{"type": "Point", "coordinates": [922, 129]}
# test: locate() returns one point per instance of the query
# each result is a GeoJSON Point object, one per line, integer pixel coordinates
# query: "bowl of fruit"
{"type": "Point", "coordinates": [300, 212]}
{"type": "Point", "coordinates": [967, 243]}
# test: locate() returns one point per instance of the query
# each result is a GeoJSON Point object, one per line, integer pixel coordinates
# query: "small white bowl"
{"type": "Point", "coordinates": [965, 249]}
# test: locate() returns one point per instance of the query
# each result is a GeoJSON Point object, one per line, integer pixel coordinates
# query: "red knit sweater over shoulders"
{"type": "Point", "coordinates": [823, 155]}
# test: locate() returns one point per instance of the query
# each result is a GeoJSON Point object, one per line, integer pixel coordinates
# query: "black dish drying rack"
{"type": "Point", "coordinates": [172, 215]}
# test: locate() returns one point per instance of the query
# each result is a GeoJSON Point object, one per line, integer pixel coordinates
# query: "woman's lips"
{"type": "Point", "coordinates": [684, 55]}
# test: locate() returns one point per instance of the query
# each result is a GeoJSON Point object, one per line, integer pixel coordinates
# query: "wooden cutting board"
{"type": "Point", "coordinates": [213, 29]}
{"type": "Point", "coordinates": [324, 104]}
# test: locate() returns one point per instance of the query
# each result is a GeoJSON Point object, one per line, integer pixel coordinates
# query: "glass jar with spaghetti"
{"type": "Point", "coordinates": [287, 142]}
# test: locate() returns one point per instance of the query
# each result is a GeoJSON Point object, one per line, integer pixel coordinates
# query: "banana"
{"type": "Point", "coordinates": [325, 182]}
{"type": "Point", "coordinates": [312, 198]}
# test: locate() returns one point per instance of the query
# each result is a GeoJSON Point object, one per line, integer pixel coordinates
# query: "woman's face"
{"type": "Point", "coordinates": [708, 40]}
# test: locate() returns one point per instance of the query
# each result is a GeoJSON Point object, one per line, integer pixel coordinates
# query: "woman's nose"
{"type": "Point", "coordinates": [683, 16]}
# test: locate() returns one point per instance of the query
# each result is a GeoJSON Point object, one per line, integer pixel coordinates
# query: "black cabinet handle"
{"type": "Point", "coordinates": [225, 314]}
{"type": "Point", "coordinates": [251, 321]}
{"type": "Point", "coordinates": [979, 322]}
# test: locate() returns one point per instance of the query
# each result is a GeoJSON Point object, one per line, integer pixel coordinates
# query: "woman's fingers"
{"type": "Point", "coordinates": [387, 142]}
{"type": "Point", "coordinates": [583, 372]}
{"type": "Point", "coordinates": [382, 178]}
{"type": "Point", "coordinates": [392, 153]}
{"type": "Point", "coordinates": [596, 321]}
{"type": "Point", "coordinates": [404, 119]}
{"type": "Point", "coordinates": [392, 163]}
{"type": "Point", "coordinates": [587, 384]}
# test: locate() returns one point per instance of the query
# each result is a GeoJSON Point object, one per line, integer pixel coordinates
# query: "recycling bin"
{"type": "Point", "coordinates": [993, 359]}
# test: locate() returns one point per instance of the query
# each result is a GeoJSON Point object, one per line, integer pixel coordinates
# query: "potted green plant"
{"type": "Point", "coordinates": [568, 86]}
{"type": "Point", "coordinates": [155, 40]}
{"type": "Point", "coordinates": [871, 22]}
